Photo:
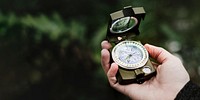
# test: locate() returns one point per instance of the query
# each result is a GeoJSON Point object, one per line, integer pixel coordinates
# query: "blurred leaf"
{"type": "Point", "coordinates": [45, 25]}
{"type": "Point", "coordinates": [169, 32]}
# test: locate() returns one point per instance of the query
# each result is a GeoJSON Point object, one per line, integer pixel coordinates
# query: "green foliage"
{"type": "Point", "coordinates": [54, 27]}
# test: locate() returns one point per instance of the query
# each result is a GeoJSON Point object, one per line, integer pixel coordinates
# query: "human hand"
{"type": "Point", "coordinates": [170, 79]}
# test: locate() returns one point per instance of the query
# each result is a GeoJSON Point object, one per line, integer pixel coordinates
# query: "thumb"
{"type": "Point", "coordinates": [158, 53]}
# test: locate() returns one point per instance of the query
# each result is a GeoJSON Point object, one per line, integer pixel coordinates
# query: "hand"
{"type": "Point", "coordinates": [170, 79]}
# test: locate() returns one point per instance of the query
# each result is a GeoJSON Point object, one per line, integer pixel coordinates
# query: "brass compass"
{"type": "Point", "coordinates": [128, 53]}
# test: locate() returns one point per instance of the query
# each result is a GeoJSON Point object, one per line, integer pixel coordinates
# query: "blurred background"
{"type": "Point", "coordinates": [50, 50]}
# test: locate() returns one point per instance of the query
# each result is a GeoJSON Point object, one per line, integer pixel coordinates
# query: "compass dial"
{"type": "Point", "coordinates": [130, 54]}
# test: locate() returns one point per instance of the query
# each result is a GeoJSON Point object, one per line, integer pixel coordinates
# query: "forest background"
{"type": "Point", "coordinates": [50, 50]}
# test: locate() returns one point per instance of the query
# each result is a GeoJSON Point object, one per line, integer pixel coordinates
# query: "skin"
{"type": "Point", "coordinates": [170, 79]}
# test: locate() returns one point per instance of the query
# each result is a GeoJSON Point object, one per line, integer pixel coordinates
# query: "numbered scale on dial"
{"type": "Point", "coordinates": [130, 54]}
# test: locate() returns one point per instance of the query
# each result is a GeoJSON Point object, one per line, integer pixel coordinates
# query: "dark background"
{"type": "Point", "coordinates": [50, 49]}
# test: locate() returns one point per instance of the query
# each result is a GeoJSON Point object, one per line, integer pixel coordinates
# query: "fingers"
{"type": "Point", "coordinates": [105, 59]}
{"type": "Point", "coordinates": [105, 45]}
{"type": "Point", "coordinates": [112, 74]}
{"type": "Point", "coordinates": [160, 54]}
{"type": "Point", "coordinates": [105, 55]}
{"type": "Point", "coordinates": [110, 70]}
{"type": "Point", "coordinates": [112, 78]}
{"type": "Point", "coordinates": [125, 89]}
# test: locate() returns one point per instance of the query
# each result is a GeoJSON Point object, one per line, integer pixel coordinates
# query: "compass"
{"type": "Point", "coordinates": [129, 53]}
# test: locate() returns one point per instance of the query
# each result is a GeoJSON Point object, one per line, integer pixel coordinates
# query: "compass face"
{"type": "Point", "coordinates": [123, 24]}
{"type": "Point", "coordinates": [130, 54]}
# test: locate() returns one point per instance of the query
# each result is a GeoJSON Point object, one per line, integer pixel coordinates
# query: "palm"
{"type": "Point", "coordinates": [146, 91]}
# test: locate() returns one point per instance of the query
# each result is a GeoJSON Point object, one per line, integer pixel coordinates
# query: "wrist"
{"type": "Point", "coordinates": [172, 90]}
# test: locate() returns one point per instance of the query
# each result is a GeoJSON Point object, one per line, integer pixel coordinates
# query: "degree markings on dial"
{"type": "Point", "coordinates": [130, 54]}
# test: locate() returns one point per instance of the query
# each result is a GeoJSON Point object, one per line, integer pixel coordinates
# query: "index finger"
{"type": "Point", "coordinates": [105, 45]}
{"type": "Point", "coordinates": [105, 59]}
